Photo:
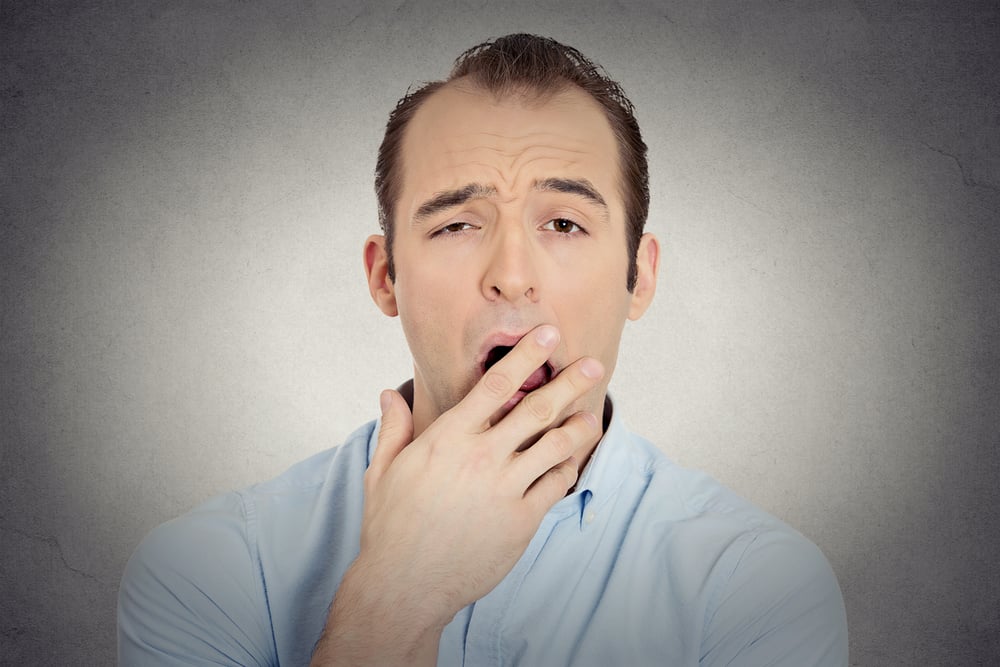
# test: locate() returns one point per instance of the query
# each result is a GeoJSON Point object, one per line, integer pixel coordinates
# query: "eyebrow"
{"type": "Point", "coordinates": [573, 186]}
{"type": "Point", "coordinates": [451, 198]}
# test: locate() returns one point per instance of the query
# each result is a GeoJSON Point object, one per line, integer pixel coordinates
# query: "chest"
{"type": "Point", "coordinates": [600, 595]}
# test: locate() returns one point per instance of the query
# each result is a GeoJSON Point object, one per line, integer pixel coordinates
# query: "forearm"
{"type": "Point", "coordinates": [371, 623]}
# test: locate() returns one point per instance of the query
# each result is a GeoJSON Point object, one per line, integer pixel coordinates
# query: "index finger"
{"type": "Point", "coordinates": [503, 380]}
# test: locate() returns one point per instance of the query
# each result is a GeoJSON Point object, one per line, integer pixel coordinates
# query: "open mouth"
{"type": "Point", "coordinates": [539, 377]}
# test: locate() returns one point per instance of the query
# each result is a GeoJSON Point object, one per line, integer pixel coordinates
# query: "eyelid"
{"type": "Point", "coordinates": [443, 229]}
{"type": "Point", "coordinates": [580, 229]}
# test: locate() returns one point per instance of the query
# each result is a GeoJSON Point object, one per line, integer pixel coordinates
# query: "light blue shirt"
{"type": "Point", "coordinates": [645, 563]}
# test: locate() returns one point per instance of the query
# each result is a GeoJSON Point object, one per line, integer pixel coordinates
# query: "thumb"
{"type": "Point", "coordinates": [395, 432]}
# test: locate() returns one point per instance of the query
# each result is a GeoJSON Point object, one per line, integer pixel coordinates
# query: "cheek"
{"type": "Point", "coordinates": [435, 282]}
{"type": "Point", "coordinates": [421, 283]}
{"type": "Point", "coordinates": [597, 272]}
{"type": "Point", "coordinates": [592, 307]}
{"type": "Point", "coordinates": [421, 311]}
{"type": "Point", "coordinates": [432, 307]}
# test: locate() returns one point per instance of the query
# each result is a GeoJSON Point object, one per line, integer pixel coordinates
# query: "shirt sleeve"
{"type": "Point", "coordinates": [192, 593]}
{"type": "Point", "coordinates": [780, 607]}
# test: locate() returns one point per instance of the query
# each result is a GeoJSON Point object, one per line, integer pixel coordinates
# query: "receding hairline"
{"type": "Point", "coordinates": [528, 95]}
{"type": "Point", "coordinates": [533, 67]}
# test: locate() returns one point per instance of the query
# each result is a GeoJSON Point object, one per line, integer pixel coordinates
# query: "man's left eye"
{"type": "Point", "coordinates": [562, 225]}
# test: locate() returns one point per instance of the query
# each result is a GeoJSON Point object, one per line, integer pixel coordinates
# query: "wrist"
{"type": "Point", "coordinates": [374, 622]}
{"type": "Point", "coordinates": [384, 594]}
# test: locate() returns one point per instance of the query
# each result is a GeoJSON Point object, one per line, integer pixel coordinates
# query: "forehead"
{"type": "Point", "coordinates": [462, 134]}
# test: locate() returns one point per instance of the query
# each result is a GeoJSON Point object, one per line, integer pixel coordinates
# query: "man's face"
{"type": "Point", "coordinates": [510, 216]}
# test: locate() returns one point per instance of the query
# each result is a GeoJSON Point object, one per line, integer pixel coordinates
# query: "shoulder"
{"type": "Point", "coordinates": [770, 595]}
{"type": "Point", "coordinates": [677, 493]}
{"type": "Point", "coordinates": [330, 466]}
{"type": "Point", "coordinates": [194, 589]}
{"type": "Point", "coordinates": [190, 592]}
{"type": "Point", "coordinates": [191, 544]}
{"type": "Point", "coordinates": [780, 605]}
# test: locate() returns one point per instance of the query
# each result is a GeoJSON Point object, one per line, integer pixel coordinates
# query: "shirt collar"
{"type": "Point", "coordinates": [601, 477]}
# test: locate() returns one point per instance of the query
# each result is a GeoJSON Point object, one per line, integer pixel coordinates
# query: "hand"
{"type": "Point", "coordinates": [447, 516]}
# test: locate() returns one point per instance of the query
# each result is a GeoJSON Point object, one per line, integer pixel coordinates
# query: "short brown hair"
{"type": "Point", "coordinates": [538, 65]}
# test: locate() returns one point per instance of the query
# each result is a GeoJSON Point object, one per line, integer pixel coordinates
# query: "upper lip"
{"type": "Point", "coordinates": [506, 339]}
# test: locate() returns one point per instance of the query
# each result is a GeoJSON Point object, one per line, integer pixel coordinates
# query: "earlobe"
{"type": "Point", "coordinates": [647, 264]}
{"type": "Point", "coordinates": [377, 270]}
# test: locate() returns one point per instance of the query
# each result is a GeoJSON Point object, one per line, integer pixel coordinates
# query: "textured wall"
{"type": "Point", "coordinates": [185, 187]}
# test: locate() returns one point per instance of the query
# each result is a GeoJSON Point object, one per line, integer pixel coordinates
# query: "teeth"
{"type": "Point", "coordinates": [496, 354]}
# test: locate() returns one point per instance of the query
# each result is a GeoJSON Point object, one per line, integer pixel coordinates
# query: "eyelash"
{"type": "Point", "coordinates": [444, 231]}
{"type": "Point", "coordinates": [580, 230]}
{"type": "Point", "coordinates": [449, 230]}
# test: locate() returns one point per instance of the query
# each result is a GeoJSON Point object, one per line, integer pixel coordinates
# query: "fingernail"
{"type": "Point", "coordinates": [590, 419]}
{"type": "Point", "coordinates": [547, 335]}
{"type": "Point", "coordinates": [385, 400]}
{"type": "Point", "coordinates": [591, 368]}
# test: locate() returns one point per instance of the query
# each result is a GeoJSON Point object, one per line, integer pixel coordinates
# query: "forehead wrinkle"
{"type": "Point", "coordinates": [505, 177]}
{"type": "Point", "coordinates": [552, 149]}
{"type": "Point", "coordinates": [508, 144]}
{"type": "Point", "coordinates": [525, 160]}
{"type": "Point", "coordinates": [500, 159]}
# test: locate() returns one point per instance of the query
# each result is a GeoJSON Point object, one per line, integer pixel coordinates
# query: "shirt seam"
{"type": "Point", "coordinates": [250, 531]}
{"type": "Point", "coordinates": [711, 609]}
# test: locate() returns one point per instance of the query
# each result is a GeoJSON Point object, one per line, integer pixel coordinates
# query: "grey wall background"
{"type": "Point", "coordinates": [186, 187]}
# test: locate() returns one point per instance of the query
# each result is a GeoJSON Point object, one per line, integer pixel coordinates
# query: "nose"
{"type": "Point", "coordinates": [511, 270]}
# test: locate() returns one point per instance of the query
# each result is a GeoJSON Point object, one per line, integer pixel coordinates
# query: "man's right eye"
{"type": "Point", "coordinates": [453, 228]}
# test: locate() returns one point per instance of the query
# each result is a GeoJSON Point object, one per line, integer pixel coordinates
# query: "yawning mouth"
{"type": "Point", "coordinates": [539, 377]}
{"type": "Point", "coordinates": [496, 354]}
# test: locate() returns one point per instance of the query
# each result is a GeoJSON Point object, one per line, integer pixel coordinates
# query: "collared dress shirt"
{"type": "Point", "coordinates": [645, 563]}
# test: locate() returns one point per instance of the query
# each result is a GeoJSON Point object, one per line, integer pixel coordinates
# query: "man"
{"type": "Point", "coordinates": [498, 512]}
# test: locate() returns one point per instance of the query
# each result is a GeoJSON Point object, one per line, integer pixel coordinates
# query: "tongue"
{"type": "Point", "coordinates": [536, 379]}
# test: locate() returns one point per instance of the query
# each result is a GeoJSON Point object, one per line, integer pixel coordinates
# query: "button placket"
{"type": "Point", "coordinates": [483, 644]}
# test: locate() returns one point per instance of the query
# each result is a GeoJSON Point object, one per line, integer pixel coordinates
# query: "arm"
{"type": "Point", "coordinates": [448, 515]}
{"type": "Point", "coordinates": [190, 596]}
{"type": "Point", "coordinates": [781, 606]}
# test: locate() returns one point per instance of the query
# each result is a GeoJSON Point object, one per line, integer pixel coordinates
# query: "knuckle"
{"type": "Point", "coordinates": [561, 477]}
{"type": "Point", "coordinates": [389, 429]}
{"type": "Point", "coordinates": [497, 384]}
{"type": "Point", "coordinates": [561, 444]}
{"type": "Point", "coordinates": [385, 431]}
{"type": "Point", "coordinates": [572, 382]}
{"type": "Point", "coordinates": [539, 406]}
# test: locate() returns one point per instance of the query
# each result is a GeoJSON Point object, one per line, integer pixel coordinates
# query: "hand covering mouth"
{"type": "Point", "coordinates": [538, 377]}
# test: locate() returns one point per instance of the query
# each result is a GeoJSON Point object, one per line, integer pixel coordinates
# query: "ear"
{"type": "Point", "coordinates": [377, 269]}
{"type": "Point", "coordinates": [647, 265]}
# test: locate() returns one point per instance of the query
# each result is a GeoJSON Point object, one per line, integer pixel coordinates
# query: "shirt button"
{"type": "Point", "coordinates": [589, 517]}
